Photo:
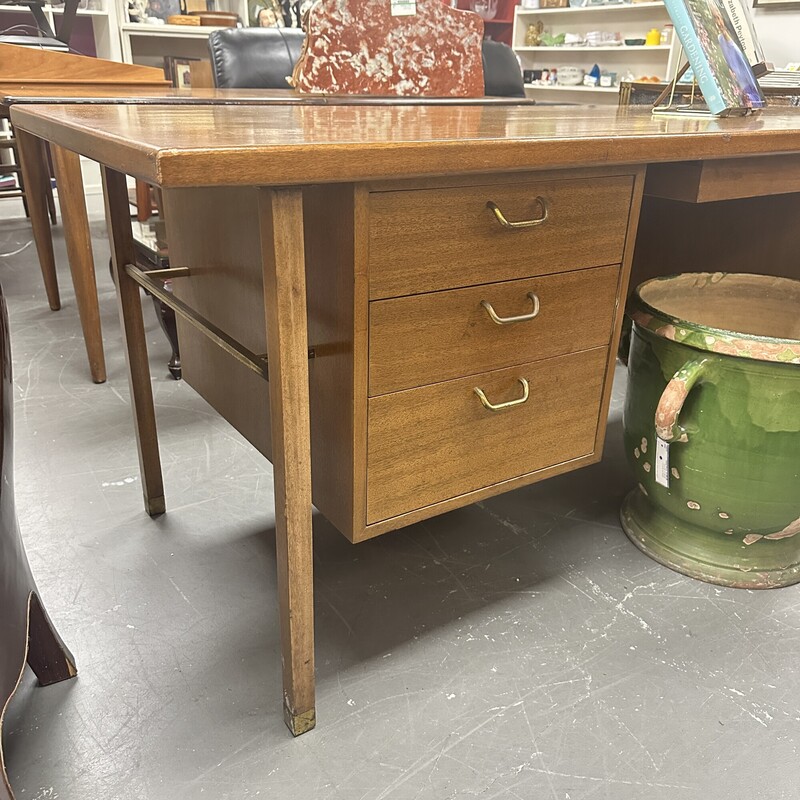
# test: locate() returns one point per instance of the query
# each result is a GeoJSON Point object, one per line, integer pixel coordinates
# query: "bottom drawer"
{"type": "Point", "coordinates": [429, 444]}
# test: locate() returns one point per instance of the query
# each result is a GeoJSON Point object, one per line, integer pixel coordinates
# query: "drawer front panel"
{"type": "Point", "coordinates": [434, 337]}
{"type": "Point", "coordinates": [428, 444]}
{"type": "Point", "coordinates": [432, 239]}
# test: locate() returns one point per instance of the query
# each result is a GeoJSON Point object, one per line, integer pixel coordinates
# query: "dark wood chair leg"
{"type": "Point", "coordinates": [166, 319]}
{"type": "Point", "coordinates": [48, 656]}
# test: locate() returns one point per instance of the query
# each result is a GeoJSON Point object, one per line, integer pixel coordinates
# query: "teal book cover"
{"type": "Point", "coordinates": [712, 47]}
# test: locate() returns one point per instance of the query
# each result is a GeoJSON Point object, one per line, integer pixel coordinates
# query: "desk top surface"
{"type": "Point", "coordinates": [208, 145]}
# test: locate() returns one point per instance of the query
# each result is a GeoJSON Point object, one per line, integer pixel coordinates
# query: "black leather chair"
{"type": "Point", "coordinates": [263, 58]}
{"type": "Point", "coordinates": [254, 58]}
{"type": "Point", "coordinates": [502, 76]}
{"type": "Point", "coordinates": [26, 633]}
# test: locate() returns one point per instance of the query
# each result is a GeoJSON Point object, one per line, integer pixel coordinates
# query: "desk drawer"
{"type": "Point", "coordinates": [438, 336]}
{"type": "Point", "coordinates": [429, 444]}
{"type": "Point", "coordinates": [430, 239]}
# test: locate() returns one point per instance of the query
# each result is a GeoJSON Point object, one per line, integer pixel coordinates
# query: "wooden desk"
{"type": "Point", "coordinates": [385, 211]}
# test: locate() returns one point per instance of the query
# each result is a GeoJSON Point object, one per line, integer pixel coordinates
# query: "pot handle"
{"type": "Point", "coordinates": [672, 399]}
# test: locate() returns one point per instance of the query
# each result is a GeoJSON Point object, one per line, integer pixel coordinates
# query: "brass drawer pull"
{"type": "Point", "coordinates": [511, 320]}
{"type": "Point", "coordinates": [525, 223]}
{"type": "Point", "coordinates": [510, 404]}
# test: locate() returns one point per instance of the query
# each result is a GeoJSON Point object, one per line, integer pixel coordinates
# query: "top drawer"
{"type": "Point", "coordinates": [423, 240]}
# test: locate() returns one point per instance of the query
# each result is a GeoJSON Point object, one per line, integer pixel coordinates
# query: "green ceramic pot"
{"type": "Point", "coordinates": [712, 427]}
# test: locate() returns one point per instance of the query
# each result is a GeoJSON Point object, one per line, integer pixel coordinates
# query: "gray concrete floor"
{"type": "Point", "coordinates": [516, 648]}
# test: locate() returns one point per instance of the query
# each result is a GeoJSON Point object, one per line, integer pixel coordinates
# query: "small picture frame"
{"type": "Point", "coordinates": [183, 74]}
{"type": "Point", "coordinates": [179, 71]}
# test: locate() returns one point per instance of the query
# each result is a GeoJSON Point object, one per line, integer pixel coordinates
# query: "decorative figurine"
{"type": "Point", "coordinates": [533, 36]}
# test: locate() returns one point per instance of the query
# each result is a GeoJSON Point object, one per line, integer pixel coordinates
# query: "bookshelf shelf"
{"type": "Point", "coordinates": [580, 89]}
{"type": "Point", "coordinates": [619, 8]}
{"type": "Point", "coordinates": [601, 49]}
{"type": "Point", "coordinates": [622, 20]}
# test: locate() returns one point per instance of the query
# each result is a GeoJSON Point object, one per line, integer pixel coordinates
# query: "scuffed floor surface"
{"type": "Point", "coordinates": [518, 648]}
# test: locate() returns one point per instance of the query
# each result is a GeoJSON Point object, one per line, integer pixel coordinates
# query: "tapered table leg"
{"type": "Point", "coordinates": [67, 167]}
{"type": "Point", "coordinates": [130, 314]}
{"type": "Point", "coordinates": [281, 219]}
{"type": "Point", "coordinates": [33, 162]}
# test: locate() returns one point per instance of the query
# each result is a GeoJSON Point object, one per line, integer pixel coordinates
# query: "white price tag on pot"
{"type": "Point", "coordinates": [404, 8]}
{"type": "Point", "coordinates": [662, 462]}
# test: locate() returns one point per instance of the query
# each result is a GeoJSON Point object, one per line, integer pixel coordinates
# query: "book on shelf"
{"type": "Point", "coordinates": [715, 52]}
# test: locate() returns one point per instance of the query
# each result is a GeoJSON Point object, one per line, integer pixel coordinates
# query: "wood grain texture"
{"type": "Point", "coordinates": [459, 242]}
{"type": "Point", "coordinates": [281, 225]}
{"type": "Point", "coordinates": [69, 179]}
{"type": "Point", "coordinates": [711, 180]}
{"type": "Point", "coordinates": [35, 175]}
{"type": "Point", "coordinates": [133, 336]}
{"type": "Point", "coordinates": [334, 325]}
{"type": "Point", "coordinates": [305, 144]}
{"type": "Point", "coordinates": [215, 233]}
{"type": "Point", "coordinates": [434, 337]}
{"type": "Point", "coordinates": [33, 66]}
{"type": "Point", "coordinates": [430, 444]}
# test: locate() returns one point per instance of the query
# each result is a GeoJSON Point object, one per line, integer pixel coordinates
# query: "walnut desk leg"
{"type": "Point", "coordinates": [283, 262]}
{"type": "Point", "coordinates": [35, 175]}
{"type": "Point", "coordinates": [67, 167]}
{"type": "Point", "coordinates": [130, 314]}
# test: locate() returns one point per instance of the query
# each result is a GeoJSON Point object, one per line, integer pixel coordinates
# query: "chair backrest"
{"type": "Point", "coordinates": [263, 58]}
{"type": "Point", "coordinates": [254, 58]}
{"type": "Point", "coordinates": [502, 76]}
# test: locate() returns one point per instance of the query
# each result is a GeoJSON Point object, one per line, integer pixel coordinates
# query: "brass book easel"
{"type": "Point", "coordinates": [690, 109]}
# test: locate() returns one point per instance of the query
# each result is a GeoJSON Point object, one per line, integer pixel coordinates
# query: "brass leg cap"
{"type": "Point", "coordinates": [299, 724]}
{"type": "Point", "coordinates": [155, 505]}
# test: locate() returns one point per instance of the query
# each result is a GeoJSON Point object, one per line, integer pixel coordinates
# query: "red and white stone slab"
{"type": "Point", "coordinates": [391, 48]}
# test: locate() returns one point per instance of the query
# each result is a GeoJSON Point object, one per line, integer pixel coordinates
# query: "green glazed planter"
{"type": "Point", "coordinates": [712, 427]}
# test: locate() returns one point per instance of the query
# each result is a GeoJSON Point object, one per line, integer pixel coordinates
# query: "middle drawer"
{"type": "Point", "coordinates": [422, 339]}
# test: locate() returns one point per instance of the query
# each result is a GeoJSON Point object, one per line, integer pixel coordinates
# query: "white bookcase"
{"type": "Point", "coordinates": [102, 13]}
{"type": "Point", "coordinates": [630, 20]}
{"type": "Point", "coordinates": [143, 43]}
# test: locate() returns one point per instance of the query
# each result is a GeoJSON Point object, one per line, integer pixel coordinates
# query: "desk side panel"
{"type": "Point", "coordinates": [215, 233]}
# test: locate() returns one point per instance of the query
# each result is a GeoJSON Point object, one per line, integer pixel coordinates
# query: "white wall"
{"type": "Point", "coordinates": [779, 34]}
